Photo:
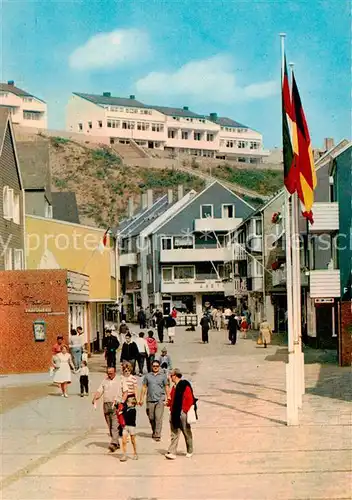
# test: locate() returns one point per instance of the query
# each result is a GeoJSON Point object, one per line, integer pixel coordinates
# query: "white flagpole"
{"type": "Point", "coordinates": [291, 406]}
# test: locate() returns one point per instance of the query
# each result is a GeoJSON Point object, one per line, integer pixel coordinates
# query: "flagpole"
{"type": "Point", "coordinates": [297, 309]}
{"type": "Point", "coordinates": [291, 367]}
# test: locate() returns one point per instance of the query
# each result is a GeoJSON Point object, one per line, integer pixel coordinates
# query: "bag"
{"type": "Point", "coordinates": [259, 340]}
{"type": "Point", "coordinates": [191, 416]}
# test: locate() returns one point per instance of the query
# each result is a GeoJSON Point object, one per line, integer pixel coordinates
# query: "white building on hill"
{"type": "Point", "coordinates": [177, 130]}
{"type": "Point", "coordinates": [26, 109]}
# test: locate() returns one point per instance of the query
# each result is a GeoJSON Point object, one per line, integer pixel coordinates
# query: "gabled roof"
{"type": "Point", "coordinates": [169, 111]}
{"type": "Point", "coordinates": [34, 162]}
{"type": "Point", "coordinates": [65, 207]}
{"type": "Point", "coordinates": [5, 87]}
{"type": "Point", "coordinates": [223, 121]}
{"type": "Point", "coordinates": [5, 124]}
{"type": "Point", "coordinates": [102, 100]}
{"type": "Point", "coordinates": [134, 225]}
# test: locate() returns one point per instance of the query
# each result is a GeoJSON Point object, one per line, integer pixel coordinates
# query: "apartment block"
{"type": "Point", "coordinates": [26, 109]}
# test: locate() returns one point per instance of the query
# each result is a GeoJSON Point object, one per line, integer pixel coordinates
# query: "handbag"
{"type": "Point", "coordinates": [260, 340]}
{"type": "Point", "coordinates": [191, 416]}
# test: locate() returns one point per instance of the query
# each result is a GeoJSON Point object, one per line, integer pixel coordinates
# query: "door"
{"type": "Point", "coordinates": [325, 327]}
{"type": "Point", "coordinates": [150, 144]}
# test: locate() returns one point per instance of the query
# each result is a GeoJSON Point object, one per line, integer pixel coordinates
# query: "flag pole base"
{"type": "Point", "coordinates": [291, 391]}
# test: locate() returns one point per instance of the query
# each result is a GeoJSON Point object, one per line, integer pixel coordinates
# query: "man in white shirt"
{"type": "Point", "coordinates": [114, 390]}
{"type": "Point", "coordinates": [143, 349]}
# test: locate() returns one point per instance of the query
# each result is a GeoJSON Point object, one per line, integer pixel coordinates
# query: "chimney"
{"type": "Point", "coordinates": [11, 83]}
{"type": "Point", "coordinates": [106, 94]}
{"type": "Point", "coordinates": [144, 201]}
{"type": "Point", "coordinates": [130, 207]}
{"type": "Point", "coordinates": [149, 198]}
{"type": "Point", "coordinates": [170, 196]}
{"type": "Point", "coordinates": [328, 143]}
{"type": "Point", "coordinates": [132, 97]}
{"type": "Point", "coordinates": [185, 108]}
{"type": "Point", "coordinates": [180, 191]}
{"type": "Point", "coordinates": [213, 117]}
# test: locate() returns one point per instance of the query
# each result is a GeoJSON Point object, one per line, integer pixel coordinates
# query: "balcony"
{"type": "Point", "coordinates": [202, 283]}
{"type": "Point", "coordinates": [196, 255]}
{"type": "Point", "coordinates": [133, 286]}
{"type": "Point", "coordinates": [255, 284]}
{"type": "Point", "coordinates": [254, 243]}
{"type": "Point", "coordinates": [325, 283]}
{"type": "Point", "coordinates": [326, 217]}
{"type": "Point", "coordinates": [239, 252]}
{"type": "Point", "coordinates": [211, 224]}
{"type": "Point", "coordinates": [235, 288]}
{"type": "Point", "coordinates": [128, 259]}
{"type": "Point", "coordinates": [279, 277]}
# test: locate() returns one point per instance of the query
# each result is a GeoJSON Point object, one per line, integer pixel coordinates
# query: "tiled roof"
{"type": "Point", "coordinates": [142, 219]}
{"type": "Point", "coordinates": [5, 87]}
{"type": "Point", "coordinates": [34, 164]}
{"type": "Point", "coordinates": [4, 116]}
{"type": "Point", "coordinates": [65, 207]}
{"type": "Point", "coordinates": [186, 113]}
{"type": "Point", "coordinates": [110, 100]}
{"type": "Point", "coordinates": [228, 122]}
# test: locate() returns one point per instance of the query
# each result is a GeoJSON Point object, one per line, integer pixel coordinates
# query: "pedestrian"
{"type": "Point", "coordinates": [123, 329]}
{"type": "Point", "coordinates": [174, 313]}
{"type": "Point", "coordinates": [111, 344]}
{"type": "Point", "coordinates": [129, 351]}
{"type": "Point", "coordinates": [147, 318]}
{"type": "Point", "coordinates": [170, 324]}
{"type": "Point", "coordinates": [76, 349]}
{"type": "Point", "coordinates": [244, 326]}
{"type": "Point", "coordinates": [218, 320]}
{"type": "Point", "coordinates": [57, 347]}
{"type": "Point", "coordinates": [141, 318]}
{"type": "Point", "coordinates": [129, 429]}
{"type": "Point", "coordinates": [143, 350]}
{"type": "Point", "coordinates": [227, 314]}
{"type": "Point", "coordinates": [156, 387]}
{"type": "Point", "coordinates": [160, 323]}
{"type": "Point", "coordinates": [214, 313]}
{"type": "Point", "coordinates": [153, 349]}
{"type": "Point", "coordinates": [114, 391]}
{"type": "Point", "coordinates": [84, 378]}
{"type": "Point", "coordinates": [81, 336]}
{"type": "Point", "coordinates": [232, 328]}
{"type": "Point", "coordinates": [129, 379]}
{"type": "Point", "coordinates": [181, 401]}
{"type": "Point", "coordinates": [165, 361]}
{"type": "Point", "coordinates": [248, 315]}
{"type": "Point", "coordinates": [205, 324]}
{"type": "Point", "coordinates": [265, 332]}
{"type": "Point", "coordinates": [63, 366]}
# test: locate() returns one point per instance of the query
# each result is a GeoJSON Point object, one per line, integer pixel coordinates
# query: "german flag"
{"type": "Point", "coordinates": [290, 173]}
{"type": "Point", "coordinates": [302, 150]}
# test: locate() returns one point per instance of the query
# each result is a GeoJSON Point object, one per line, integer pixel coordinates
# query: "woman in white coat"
{"type": "Point", "coordinates": [63, 366]}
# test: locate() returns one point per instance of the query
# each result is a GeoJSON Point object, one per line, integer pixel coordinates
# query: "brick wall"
{"type": "Point", "coordinates": [20, 292]}
{"type": "Point", "coordinates": [345, 344]}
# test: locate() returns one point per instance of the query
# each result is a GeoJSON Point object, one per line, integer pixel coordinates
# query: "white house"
{"type": "Point", "coordinates": [26, 109]}
{"type": "Point", "coordinates": [177, 130]}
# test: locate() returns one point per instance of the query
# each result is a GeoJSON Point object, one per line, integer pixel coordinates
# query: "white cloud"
{"type": "Point", "coordinates": [208, 80]}
{"type": "Point", "coordinates": [108, 50]}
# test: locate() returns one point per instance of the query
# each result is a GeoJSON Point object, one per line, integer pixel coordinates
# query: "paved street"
{"type": "Point", "coordinates": [53, 448]}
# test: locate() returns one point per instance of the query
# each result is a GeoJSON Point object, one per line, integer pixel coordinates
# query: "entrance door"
{"type": "Point", "coordinates": [151, 144]}
{"type": "Point", "coordinates": [325, 329]}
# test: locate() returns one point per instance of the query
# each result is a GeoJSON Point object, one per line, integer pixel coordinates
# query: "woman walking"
{"type": "Point", "coordinates": [63, 366]}
{"type": "Point", "coordinates": [265, 332]}
{"type": "Point", "coordinates": [76, 349]}
{"type": "Point", "coordinates": [170, 324]}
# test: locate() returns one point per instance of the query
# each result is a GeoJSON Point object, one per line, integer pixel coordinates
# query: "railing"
{"type": "Point", "coordinates": [236, 287]}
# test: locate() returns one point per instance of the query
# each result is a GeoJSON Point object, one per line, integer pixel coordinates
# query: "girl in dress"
{"type": "Point", "coordinates": [63, 366]}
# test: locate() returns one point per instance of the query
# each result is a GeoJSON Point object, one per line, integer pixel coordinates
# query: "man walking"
{"type": "Point", "coordinates": [156, 387]}
{"type": "Point", "coordinates": [143, 352]}
{"type": "Point", "coordinates": [114, 390]}
{"type": "Point", "coordinates": [160, 323]}
{"type": "Point", "coordinates": [205, 324]}
{"type": "Point", "coordinates": [141, 318]}
{"type": "Point", "coordinates": [111, 344]}
{"type": "Point", "coordinates": [232, 328]}
{"type": "Point", "coordinates": [129, 352]}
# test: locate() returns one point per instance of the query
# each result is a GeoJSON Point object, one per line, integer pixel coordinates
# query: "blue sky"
{"type": "Point", "coordinates": [214, 56]}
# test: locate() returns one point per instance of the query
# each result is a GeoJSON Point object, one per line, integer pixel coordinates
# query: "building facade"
{"type": "Point", "coordinates": [12, 225]}
{"type": "Point", "coordinates": [26, 109]}
{"type": "Point", "coordinates": [176, 130]}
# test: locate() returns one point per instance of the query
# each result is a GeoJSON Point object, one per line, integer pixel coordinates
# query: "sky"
{"type": "Point", "coordinates": [218, 56]}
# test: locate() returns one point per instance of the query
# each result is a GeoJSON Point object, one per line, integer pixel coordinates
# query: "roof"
{"type": "Point", "coordinates": [110, 101]}
{"type": "Point", "coordinates": [6, 124]}
{"type": "Point", "coordinates": [4, 117]}
{"type": "Point", "coordinates": [34, 163]}
{"type": "Point", "coordinates": [142, 219]}
{"type": "Point", "coordinates": [65, 207]}
{"type": "Point", "coordinates": [169, 111]}
{"type": "Point", "coordinates": [5, 87]}
{"type": "Point", "coordinates": [228, 122]}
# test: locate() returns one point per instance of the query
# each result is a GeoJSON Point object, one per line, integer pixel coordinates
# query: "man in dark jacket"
{"type": "Point", "coordinates": [205, 324]}
{"type": "Point", "coordinates": [129, 351]}
{"type": "Point", "coordinates": [232, 328]}
{"type": "Point", "coordinates": [111, 344]}
{"type": "Point", "coordinates": [141, 318]}
{"type": "Point", "coordinates": [160, 323]}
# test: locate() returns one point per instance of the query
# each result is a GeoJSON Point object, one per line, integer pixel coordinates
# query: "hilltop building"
{"type": "Point", "coordinates": [26, 109]}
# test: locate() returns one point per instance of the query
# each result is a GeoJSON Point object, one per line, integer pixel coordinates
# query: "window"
{"type": "Point", "coordinates": [16, 208]}
{"type": "Point", "coordinates": [166, 243]}
{"type": "Point", "coordinates": [184, 241]}
{"type": "Point", "coordinates": [228, 211]}
{"type": "Point", "coordinates": [206, 211]}
{"type": "Point", "coordinates": [113, 123]}
{"type": "Point", "coordinates": [157, 127]}
{"type": "Point", "coordinates": [31, 115]}
{"type": "Point", "coordinates": [27, 99]}
{"type": "Point", "coordinates": [90, 125]}
{"type": "Point", "coordinates": [210, 137]}
{"type": "Point", "coordinates": [171, 134]}
{"type": "Point", "coordinates": [230, 144]}
{"type": "Point", "coordinates": [258, 227]}
{"type": "Point", "coordinates": [167, 273]}
{"type": "Point", "coordinates": [18, 260]}
{"type": "Point", "coordinates": [128, 125]}
{"type": "Point", "coordinates": [100, 124]}
{"type": "Point", "coordinates": [176, 118]}
{"type": "Point", "coordinates": [6, 202]}
{"type": "Point", "coordinates": [142, 126]}
{"type": "Point", "coordinates": [8, 259]}
{"type": "Point", "coordinates": [242, 160]}
{"type": "Point", "coordinates": [242, 144]}
{"type": "Point", "coordinates": [254, 145]}
{"type": "Point", "coordinates": [184, 272]}
{"type": "Point", "coordinates": [184, 135]}
{"type": "Point", "coordinates": [197, 136]}
{"type": "Point", "coordinates": [80, 127]}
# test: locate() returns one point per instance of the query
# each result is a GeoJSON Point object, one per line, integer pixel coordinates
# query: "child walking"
{"type": "Point", "coordinates": [84, 378]}
{"type": "Point", "coordinates": [129, 430]}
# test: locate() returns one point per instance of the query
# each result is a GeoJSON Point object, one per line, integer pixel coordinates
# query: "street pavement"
{"type": "Point", "coordinates": [56, 448]}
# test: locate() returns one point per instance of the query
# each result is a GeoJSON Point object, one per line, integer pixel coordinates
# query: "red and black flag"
{"type": "Point", "coordinates": [290, 173]}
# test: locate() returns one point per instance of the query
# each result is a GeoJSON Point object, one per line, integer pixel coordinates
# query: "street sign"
{"type": "Point", "coordinates": [324, 301]}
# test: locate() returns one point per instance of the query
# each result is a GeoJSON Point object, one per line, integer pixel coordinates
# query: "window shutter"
{"type": "Point", "coordinates": [10, 203]}
{"type": "Point", "coordinates": [5, 202]}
